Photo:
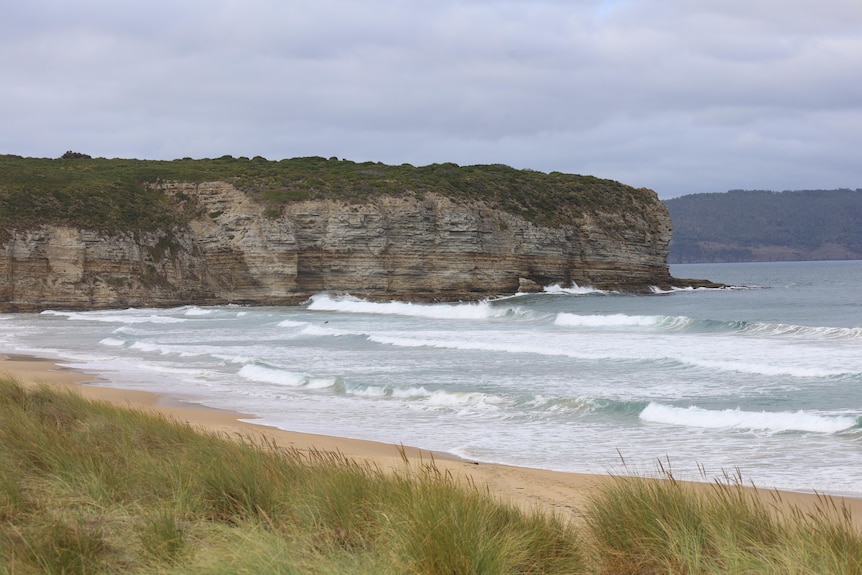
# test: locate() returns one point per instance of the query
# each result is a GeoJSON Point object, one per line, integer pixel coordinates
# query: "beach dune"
{"type": "Point", "coordinates": [563, 493]}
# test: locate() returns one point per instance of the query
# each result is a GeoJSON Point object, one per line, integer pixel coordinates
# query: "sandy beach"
{"type": "Point", "coordinates": [560, 492]}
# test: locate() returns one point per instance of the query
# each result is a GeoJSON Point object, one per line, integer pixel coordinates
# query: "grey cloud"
{"type": "Point", "coordinates": [675, 95]}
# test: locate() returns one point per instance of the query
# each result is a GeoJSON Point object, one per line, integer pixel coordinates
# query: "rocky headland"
{"type": "Point", "coordinates": [82, 233]}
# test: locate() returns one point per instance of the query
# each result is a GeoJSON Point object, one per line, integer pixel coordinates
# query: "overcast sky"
{"type": "Point", "coordinates": [681, 96]}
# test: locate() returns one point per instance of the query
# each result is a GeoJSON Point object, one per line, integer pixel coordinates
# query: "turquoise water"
{"type": "Point", "coordinates": [765, 378]}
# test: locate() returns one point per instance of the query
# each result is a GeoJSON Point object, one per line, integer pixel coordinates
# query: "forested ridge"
{"type": "Point", "coordinates": [762, 225]}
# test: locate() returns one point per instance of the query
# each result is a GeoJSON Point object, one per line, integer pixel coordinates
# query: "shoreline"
{"type": "Point", "coordinates": [563, 493]}
{"type": "Point", "coordinates": [560, 492]}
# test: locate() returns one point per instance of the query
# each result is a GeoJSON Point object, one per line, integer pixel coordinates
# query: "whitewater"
{"type": "Point", "coordinates": [764, 377]}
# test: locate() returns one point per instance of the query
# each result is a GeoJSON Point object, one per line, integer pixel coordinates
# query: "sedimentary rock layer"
{"type": "Point", "coordinates": [420, 247]}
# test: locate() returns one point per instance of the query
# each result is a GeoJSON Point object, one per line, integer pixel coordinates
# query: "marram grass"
{"type": "Point", "coordinates": [663, 525]}
{"type": "Point", "coordinates": [90, 488]}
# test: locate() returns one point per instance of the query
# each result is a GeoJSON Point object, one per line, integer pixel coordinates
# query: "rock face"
{"type": "Point", "coordinates": [410, 247]}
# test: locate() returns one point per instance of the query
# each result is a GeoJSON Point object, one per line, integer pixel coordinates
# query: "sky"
{"type": "Point", "coordinates": [680, 96]}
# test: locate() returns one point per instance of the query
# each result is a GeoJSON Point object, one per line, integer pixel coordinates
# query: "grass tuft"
{"type": "Point", "coordinates": [90, 488]}
{"type": "Point", "coordinates": [662, 525]}
{"type": "Point", "coordinates": [141, 494]}
{"type": "Point", "coordinates": [163, 538]}
{"type": "Point", "coordinates": [58, 546]}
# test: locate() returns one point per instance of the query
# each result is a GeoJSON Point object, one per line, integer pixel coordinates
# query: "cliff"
{"type": "Point", "coordinates": [229, 245]}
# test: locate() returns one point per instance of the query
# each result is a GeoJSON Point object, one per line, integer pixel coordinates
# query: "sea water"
{"type": "Point", "coordinates": [762, 379]}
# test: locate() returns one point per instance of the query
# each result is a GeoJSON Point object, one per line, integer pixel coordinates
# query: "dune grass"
{"type": "Point", "coordinates": [663, 525]}
{"type": "Point", "coordinates": [90, 488]}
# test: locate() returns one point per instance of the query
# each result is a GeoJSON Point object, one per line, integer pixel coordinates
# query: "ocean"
{"type": "Point", "coordinates": [763, 379]}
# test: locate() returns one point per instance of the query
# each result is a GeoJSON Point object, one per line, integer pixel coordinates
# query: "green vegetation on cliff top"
{"type": "Point", "coordinates": [113, 195]}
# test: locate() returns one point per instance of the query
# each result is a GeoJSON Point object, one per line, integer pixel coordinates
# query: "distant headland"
{"type": "Point", "coordinates": [759, 225]}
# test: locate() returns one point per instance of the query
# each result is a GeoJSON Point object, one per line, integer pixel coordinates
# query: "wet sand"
{"type": "Point", "coordinates": [560, 492]}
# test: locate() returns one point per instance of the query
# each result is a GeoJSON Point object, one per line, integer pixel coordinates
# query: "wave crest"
{"type": "Point", "coordinates": [350, 304]}
{"type": "Point", "coordinates": [575, 289]}
{"type": "Point", "coordinates": [622, 320]}
{"type": "Point", "coordinates": [773, 422]}
{"type": "Point", "coordinates": [127, 316]}
{"type": "Point", "coordinates": [668, 322]}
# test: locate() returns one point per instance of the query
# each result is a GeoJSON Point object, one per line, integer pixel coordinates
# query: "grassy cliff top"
{"type": "Point", "coordinates": [112, 194]}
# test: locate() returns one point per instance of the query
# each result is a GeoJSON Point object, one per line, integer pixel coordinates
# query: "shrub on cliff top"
{"type": "Point", "coordinates": [117, 194]}
{"type": "Point", "coordinates": [70, 155]}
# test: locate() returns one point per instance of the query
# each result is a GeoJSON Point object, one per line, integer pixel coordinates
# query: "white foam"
{"type": "Point", "coordinates": [734, 358]}
{"type": "Point", "coordinates": [241, 359]}
{"type": "Point", "coordinates": [197, 311]}
{"type": "Point", "coordinates": [152, 347]}
{"type": "Point", "coordinates": [321, 382]}
{"type": "Point", "coordinates": [317, 330]}
{"type": "Point", "coordinates": [622, 320]}
{"type": "Point", "coordinates": [349, 304]}
{"type": "Point", "coordinates": [478, 344]}
{"type": "Point", "coordinates": [112, 342]}
{"type": "Point", "coordinates": [658, 290]}
{"type": "Point", "coordinates": [114, 317]}
{"type": "Point", "coordinates": [291, 323]}
{"type": "Point", "coordinates": [613, 320]}
{"type": "Point", "coordinates": [678, 322]}
{"type": "Point", "coordinates": [372, 391]}
{"type": "Point", "coordinates": [164, 368]}
{"type": "Point", "coordinates": [785, 369]}
{"type": "Point", "coordinates": [575, 289]}
{"type": "Point", "coordinates": [410, 392]}
{"type": "Point", "coordinates": [165, 349]}
{"type": "Point", "coordinates": [457, 399]}
{"type": "Point", "coordinates": [419, 397]}
{"type": "Point", "coordinates": [675, 289]}
{"type": "Point", "coordinates": [825, 332]}
{"type": "Point", "coordinates": [277, 376]}
{"type": "Point", "coordinates": [746, 420]}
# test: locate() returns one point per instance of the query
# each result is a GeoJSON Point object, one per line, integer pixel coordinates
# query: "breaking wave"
{"type": "Point", "coordinates": [618, 320]}
{"type": "Point", "coordinates": [664, 322]}
{"type": "Point", "coordinates": [127, 316]}
{"type": "Point", "coordinates": [575, 289]}
{"type": "Point", "coordinates": [274, 375]}
{"type": "Point", "coordinates": [349, 304]}
{"type": "Point", "coordinates": [774, 422]}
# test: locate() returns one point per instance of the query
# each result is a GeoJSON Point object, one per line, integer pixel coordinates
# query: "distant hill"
{"type": "Point", "coordinates": [760, 225]}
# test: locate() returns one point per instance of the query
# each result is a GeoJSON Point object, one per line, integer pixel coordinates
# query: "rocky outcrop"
{"type": "Point", "coordinates": [409, 247]}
